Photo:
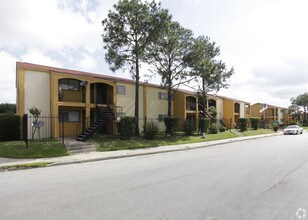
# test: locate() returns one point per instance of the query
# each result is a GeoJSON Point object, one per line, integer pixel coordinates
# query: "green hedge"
{"type": "Point", "coordinates": [127, 127]}
{"type": "Point", "coordinates": [171, 124]}
{"type": "Point", "coordinates": [206, 123]}
{"type": "Point", "coordinates": [9, 127]}
{"type": "Point", "coordinates": [189, 127]}
{"type": "Point", "coordinates": [213, 128]}
{"type": "Point", "coordinates": [243, 124]}
{"type": "Point", "coordinates": [150, 130]}
{"type": "Point", "coordinates": [255, 123]}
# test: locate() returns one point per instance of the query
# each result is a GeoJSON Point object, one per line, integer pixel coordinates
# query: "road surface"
{"type": "Point", "coordinates": [257, 179]}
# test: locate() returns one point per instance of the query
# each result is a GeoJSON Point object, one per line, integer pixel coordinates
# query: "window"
{"type": "Point", "coordinates": [69, 84]}
{"type": "Point", "coordinates": [121, 90]}
{"type": "Point", "coordinates": [70, 116]}
{"type": "Point", "coordinates": [161, 118]}
{"type": "Point", "coordinates": [162, 96]}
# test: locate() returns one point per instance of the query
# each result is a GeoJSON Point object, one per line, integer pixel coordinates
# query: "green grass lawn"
{"type": "Point", "coordinates": [135, 143]}
{"type": "Point", "coordinates": [257, 132]}
{"type": "Point", "coordinates": [17, 149]}
{"type": "Point", "coordinates": [117, 144]}
{"type": "Point", "coordinates": [25, 166]}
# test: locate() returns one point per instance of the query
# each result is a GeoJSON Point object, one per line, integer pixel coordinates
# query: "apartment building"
{"type": "Point", "coordinates": [76, 96]}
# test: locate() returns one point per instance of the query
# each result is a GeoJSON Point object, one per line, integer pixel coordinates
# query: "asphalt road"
{"type": "Point", "coordinates": [256, 179]}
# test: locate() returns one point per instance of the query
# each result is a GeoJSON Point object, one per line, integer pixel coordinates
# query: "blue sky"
{"type": "Point", "coordinates": [264, 40]}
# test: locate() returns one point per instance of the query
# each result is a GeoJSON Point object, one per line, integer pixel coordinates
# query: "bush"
{"type": "Point", "coordinates": [9, 127]}
{"type": "Point", "coordinates": [255, 123]}
{"type": "Point", "coordinates": [189, 127]}
{"type": "Point", "coordinates": [150, 130]}
{"type": "Point", "coordinates": [275, 128]}
{"type": "Point", "coordinates": [127, 127]}
{"type": "Point", "coordinates": [171, 124]}
{"type": "Point", "coordinates": [295, 123]}
{"type": "Point", "coordinates": [206, 122]}
{"type": "Point", "coordinates": [222, 128]}
{"type": "Point", "coordinates": [305, 122]}
{"type": "Point", "coordinates": [213, 129]}
{"type": "Point", "coordinates": [243, 124]}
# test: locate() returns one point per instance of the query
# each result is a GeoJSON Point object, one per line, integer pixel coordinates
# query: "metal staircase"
{"type": "Point", "coordinates": [104, 115]}
{"type": "Point", "coordinates": [207, 115]}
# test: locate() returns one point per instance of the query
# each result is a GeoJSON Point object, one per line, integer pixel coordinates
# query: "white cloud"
{"type": "Point", "coordinates": [7, 76]}
{"type": "Point", "coordinates": [87, 62]}
{"type": "Point", "coordinates": [37, 57]}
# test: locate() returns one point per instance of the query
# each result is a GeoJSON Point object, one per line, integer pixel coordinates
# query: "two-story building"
{"type": "Point", "coordinates": [75, 96]}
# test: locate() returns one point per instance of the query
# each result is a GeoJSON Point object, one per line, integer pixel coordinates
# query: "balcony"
{"type": "Point", "coordinates": [71, 96]}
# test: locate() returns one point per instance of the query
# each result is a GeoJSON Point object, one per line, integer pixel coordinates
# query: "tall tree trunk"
{"type": "Point", "coordinates": [169, 101]}
{"type": "Point", "coordinates": [137, 97]}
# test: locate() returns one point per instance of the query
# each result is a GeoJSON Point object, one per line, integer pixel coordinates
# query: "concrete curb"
{"type": "Point", "coordinates": [160, 151]}
{"type": "Point", "coordinates": [137, 153]}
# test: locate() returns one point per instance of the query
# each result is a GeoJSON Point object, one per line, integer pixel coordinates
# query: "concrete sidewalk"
{"type": "Point", "coordinates": [108, 155]}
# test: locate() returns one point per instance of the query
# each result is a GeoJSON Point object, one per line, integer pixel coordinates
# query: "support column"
{"type": "Point", "coordinates": [54, 108]}
{"type": "Point", "coordinates": [88, 104]}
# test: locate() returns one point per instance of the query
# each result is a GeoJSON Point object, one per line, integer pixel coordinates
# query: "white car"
{"type": "Point", "coordinates": [293, 129]}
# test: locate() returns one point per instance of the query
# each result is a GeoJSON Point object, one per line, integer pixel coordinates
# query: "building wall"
{"type": "Point", "coordinates": [242, 110]}
{"type": "Point", "coordinates": [179, 99]}
{"type": "Point", "coordinates": [229, 111]}
{"type": "Point", "coordinates": [280, 115]}
{"type": "Point", "coordinates": [155, 106]}
{"type": "Point", "coordinates": [220, 107]}
{"type": "Point", "coordinates": [127, 101]}
{"type": "Point", "coordinates": [255, 110]}
{"type": "Point", "coordinates": [37, 91]}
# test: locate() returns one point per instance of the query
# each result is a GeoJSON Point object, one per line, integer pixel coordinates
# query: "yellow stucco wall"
{"type": "Point", "coordinates": [179, 99]}
{"type": "Point", "coordinates": [255, 110]}
{"type": "Point", "coordinates": [229, 112]}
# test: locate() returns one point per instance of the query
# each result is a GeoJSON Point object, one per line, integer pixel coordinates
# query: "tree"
{"type": "Point", "coordinates": [7, 108]}
{"type": "Point", "coordinates": [35, 112]}
{"type": "Point", "coordinates": [211, 74]}
{"type": "Point", "coordinates": [302, 101]}
{"type": "Point", "coordinates": [294, 111]}
{"type": "Point", "coordinates": [128, 30]}
{"type": "Point", "coordinates": [169, 56]}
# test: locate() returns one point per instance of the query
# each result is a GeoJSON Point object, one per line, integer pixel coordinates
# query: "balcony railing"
{"type": "Point", "coordinates": [71, 96]}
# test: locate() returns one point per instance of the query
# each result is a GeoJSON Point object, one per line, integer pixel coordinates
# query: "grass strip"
{"type": "Point", "coordinates": [17, 149]}
{"type": "Point", "coordinates": [25, 166]}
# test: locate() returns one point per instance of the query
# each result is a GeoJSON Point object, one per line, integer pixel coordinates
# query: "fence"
{"type": "Point", "coordinates": [142, 122]}
{"type": "Point", "coordinates": [41, 129]}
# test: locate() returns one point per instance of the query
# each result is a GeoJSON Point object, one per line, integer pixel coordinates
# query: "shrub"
{"type": "Point", "coordinates": [127, 127]}
{"type": "Point", "coordinates": [275, 128]}
{"type": "Point", "coordinates": [150, 130]}
{"type": "Point", "coordinates": [305, 122]}
{"type": "Point", "coordinates": [189, 127]}
{"type": "Point", "coordinates": [295, 123]}
{"type": "Point", "coordinates": [213, 129]}
{"type": "Point", "coordinates": [242, 124]}
{"type": "Point", "coordinates": [255, 123]}
{"type": "Point", "coordinates": [171, 124]}
{"type": "Point", "coordinates": [9, 127]}
{"type": "Point", "coordinates": [204, 122]}
{"type": "Point", "coordinates": [222, 128]}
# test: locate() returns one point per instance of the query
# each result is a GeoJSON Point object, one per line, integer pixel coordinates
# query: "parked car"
{"type": "Point", "coordinates": [293, 129]}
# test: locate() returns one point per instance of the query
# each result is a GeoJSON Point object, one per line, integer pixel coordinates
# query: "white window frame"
{"type": "Point", "coordinates": [121, 90]}
{"type": "Point", "coordinates": [162, 96]}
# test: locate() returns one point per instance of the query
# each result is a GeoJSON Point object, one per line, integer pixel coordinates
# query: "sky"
{"type": "Point", "coordinates": [264, 40]}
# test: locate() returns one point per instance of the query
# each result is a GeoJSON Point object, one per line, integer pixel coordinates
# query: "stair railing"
{"type": "Point", "coordinates": [80, 129]}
